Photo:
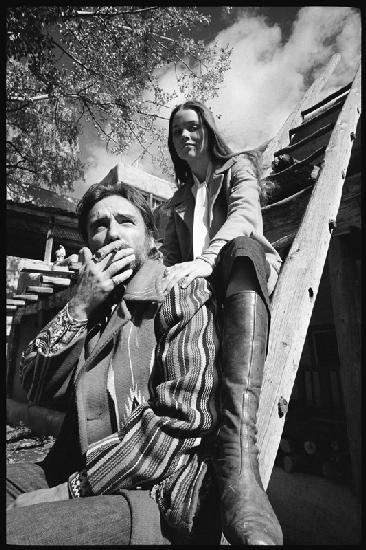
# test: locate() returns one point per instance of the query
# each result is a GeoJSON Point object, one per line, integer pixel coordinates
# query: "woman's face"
{"type": "Point", "coordinates": [190, 136]}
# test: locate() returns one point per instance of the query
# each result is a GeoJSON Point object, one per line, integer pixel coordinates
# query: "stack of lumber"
{"type": "Point", "coordinates": [41, 281]}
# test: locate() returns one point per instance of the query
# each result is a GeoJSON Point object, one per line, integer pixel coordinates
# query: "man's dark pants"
{"type": "Point", "coordinates": [130, 518]}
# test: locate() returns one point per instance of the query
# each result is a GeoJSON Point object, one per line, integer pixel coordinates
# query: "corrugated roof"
{"type": "Point", "coordinates": [34, 195]}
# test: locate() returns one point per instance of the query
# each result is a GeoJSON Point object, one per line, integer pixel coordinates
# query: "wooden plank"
{"type": "Point", "coordinates": [55, 281]}
{"type": "Point", "coordinates": [26, 297]}
{"type": "Point", "coordinates": [345, 278]}
{"type": "Point", "coordinates": [298, 283]}
{"type": "Point", "coordinates": [63, 272]}
{"type": "Point", "coordinates": [40, 289]}
{"type": "Point", "coordinates": [12, 302]}
{"type": "Point", "coordinates": [310, 98]}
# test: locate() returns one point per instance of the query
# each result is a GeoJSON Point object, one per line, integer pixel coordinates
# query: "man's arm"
{"type": "Point", "coordinates": [159, 435]}
{"type": "Point", "coordinates": [48, 360]}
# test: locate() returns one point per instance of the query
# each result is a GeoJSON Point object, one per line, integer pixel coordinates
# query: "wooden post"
{"type": "Point", "coordinates": [346, 299]}
{"type": "Point", "coordinates": [282, 137]}
{"type": "Point", "coordinates": [49, 242]}
{"type": "Point", "coordinates": [298, 283]}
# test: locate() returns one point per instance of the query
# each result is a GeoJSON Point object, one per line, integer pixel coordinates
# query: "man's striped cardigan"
{"type": "Point", "coordinates": [162, 444]}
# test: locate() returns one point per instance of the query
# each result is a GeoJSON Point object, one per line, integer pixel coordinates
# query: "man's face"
{"type": "Point", "coordinates": [115, 218]}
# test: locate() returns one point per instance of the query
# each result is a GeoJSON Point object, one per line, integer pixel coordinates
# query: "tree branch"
{"type": "Point", "coordinates": [71, 56]}
{"type": "Point", "coordinates": [152, 115]}
{"type": "Point", "coordinates": [17, 167]}
{"type": "Point", "coordinates": [18, 152]}
{"type": "Point", "coordinates": [109, 138]}
{"type": "Point", "coordinates": [88, 14]}
{"type": "Point", "coordinates": [177, 56]}
{"type": "Point", "coordinates": [40, 97]}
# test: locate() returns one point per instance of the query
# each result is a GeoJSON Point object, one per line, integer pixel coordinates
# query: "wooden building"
{"type": "Point", "coordinates": [309, 422]}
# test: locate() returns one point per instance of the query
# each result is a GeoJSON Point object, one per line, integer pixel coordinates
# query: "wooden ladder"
{"type": "Point", "coordinates": [298, 283]}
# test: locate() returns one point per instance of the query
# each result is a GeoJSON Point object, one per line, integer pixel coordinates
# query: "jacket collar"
{"type": "Point", "coordinates": [183, 192]}
{"type": "Point", "coordinates": [228, 164]}
{"type": "Point", "coordinates": [183, 197]}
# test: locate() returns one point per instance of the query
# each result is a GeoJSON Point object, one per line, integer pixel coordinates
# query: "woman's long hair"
{"type": "Point", "coordinates": [218, 149]}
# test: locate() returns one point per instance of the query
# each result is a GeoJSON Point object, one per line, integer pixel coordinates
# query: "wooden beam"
{"type": "Point", "coordinates": [63, 272]}
{"type": "Point", "coordinates": [12, 302]}
{"type": "Point", "coordinates": [26, 297]}
{"type": "Point", "coordinates": [49, 242]}
{"type": "Point", "coordinates": [311, 97]}
{"type": "Point", "coordinates": [40, 290]}
{"type": "Point", "coordinates": [298, 283]}
{"type": "Point", "coordinates": [345, 286]}
{"type": "Point", "coordinates": [56, 281]}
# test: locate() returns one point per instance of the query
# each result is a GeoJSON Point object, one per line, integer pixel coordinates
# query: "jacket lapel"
{"type": "Point", "coordinates": [144, 286]}
{"type": "Point", "coordinates": [185, 208]}
{"type": "Point", "coordinates": [214, 189]}
{"type": "Point", "coordinates": [119, 317]}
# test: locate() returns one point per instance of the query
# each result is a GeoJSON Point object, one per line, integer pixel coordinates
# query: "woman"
{"type": "Point", "coordinates": [215, 230]}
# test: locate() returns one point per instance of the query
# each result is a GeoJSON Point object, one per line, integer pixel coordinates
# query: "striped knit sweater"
{"type": "Point", "coordinates": [163, 445]}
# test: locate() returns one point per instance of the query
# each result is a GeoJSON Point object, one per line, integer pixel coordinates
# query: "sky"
{"type": "Point", "coordinates": [277, 52]}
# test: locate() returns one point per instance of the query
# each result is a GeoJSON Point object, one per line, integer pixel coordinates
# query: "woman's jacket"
{"type": "Point", "coordinates": [234, 210]}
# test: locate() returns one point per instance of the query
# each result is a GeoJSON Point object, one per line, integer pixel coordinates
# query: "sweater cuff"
{"type": "Point", "coordinates": [78, 485]}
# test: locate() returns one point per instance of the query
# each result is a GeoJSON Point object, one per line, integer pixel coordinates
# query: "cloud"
{"type": "Point", "coordinates": [268, 76]}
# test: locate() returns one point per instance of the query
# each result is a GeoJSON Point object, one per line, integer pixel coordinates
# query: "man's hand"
{"type": "Point", "coordinates": [186, 272]}
{"type": "Point", "coordinates": [60, 492]}
{"type": "Point", "coordinates": [110, 266]}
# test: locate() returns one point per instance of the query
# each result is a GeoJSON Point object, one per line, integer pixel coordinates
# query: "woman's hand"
{"type": "Point", "coordinates": [185, 273]}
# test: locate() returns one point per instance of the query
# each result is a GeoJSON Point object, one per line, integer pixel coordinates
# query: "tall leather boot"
{"type": "Point", "coordinates": [247, 515]}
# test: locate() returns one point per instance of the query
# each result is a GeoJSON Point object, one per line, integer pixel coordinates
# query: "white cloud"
{"type": "Point", "coordinates": [268, 76]}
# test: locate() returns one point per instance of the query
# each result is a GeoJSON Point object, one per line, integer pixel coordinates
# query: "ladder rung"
{"type": "Point", "coordinates": [317, 133]}
{"type": "Point", "coordinates": [298, 164]}
{"type": "Point", "coordinates": [316, 116]}
{"type": "Point", "coordinates": [326, 99]}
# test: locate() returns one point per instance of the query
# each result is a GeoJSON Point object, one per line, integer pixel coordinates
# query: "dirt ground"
{"type": "Point", "coordinates": [24, 446]}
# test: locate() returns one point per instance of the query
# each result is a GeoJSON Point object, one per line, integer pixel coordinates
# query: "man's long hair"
{"type": "Point", "coordinates": [99, 191]}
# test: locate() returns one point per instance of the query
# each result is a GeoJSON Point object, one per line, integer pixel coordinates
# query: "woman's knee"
{"type": "Point", "coordinates": [243, 276]}
{"type": "Point", "coordinates": [245, 246]}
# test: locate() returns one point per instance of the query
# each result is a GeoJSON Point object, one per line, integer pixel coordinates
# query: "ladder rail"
{"type": "Point", "coordinates": [298, 283]}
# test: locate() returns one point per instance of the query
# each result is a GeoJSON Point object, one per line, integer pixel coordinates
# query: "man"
{"type": "Point", "coordinates": [135, 367]}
